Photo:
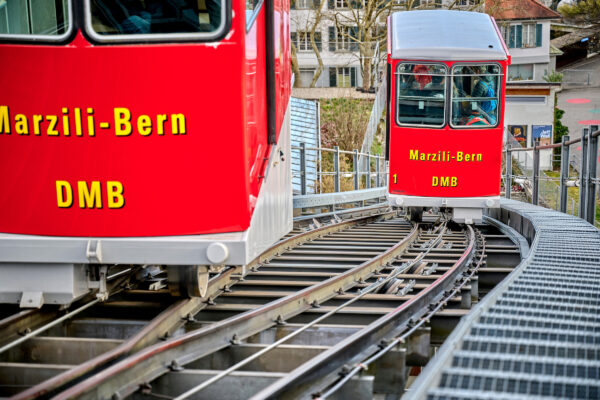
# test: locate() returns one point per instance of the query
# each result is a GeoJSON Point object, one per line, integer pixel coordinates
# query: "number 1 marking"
{"type": "Point", "coordinates": [395, 176]}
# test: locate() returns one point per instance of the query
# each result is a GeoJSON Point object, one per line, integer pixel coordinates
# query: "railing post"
{"type": "Point", "coordinates": [536, 176]}
{"type": "Point", "coordinates": [583, 175]}
{"type": "Point", "coordinates": [369, 170]}
{"type": "Point", "coordinates": [564, 174]}
{"type": "Point", "coordinates": [336, 168]}
{"type": "Point", "coordinates": [303, 168]}
{"type": "Point", "coordinates": [508, 178]}
{"type": "Point", "coordinates": [378, 179]}
{"type": "Point", "coordinates": [592, 165]}
{"type": "Point", "coordinates": [356, 168]}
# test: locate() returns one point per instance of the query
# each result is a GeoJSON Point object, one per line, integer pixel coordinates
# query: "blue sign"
{"type": "Point", "coordinates": [541, 131]}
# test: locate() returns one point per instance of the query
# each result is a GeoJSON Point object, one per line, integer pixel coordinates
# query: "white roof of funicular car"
{"type": "Point", "coordinates": [445, 35]}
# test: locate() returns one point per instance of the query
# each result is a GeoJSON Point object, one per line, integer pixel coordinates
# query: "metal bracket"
{"type": "Point", "coordinates": [93, 251]}
{"type": "Point", "coordinates": [100, 284]}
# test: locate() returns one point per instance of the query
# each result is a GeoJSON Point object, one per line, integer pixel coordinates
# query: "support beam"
{"type": "Point", "coordinates": [283, 358]}
{"type": "Point", "coordinates": [240, 385]}
{"type": "Point", "coordinates": [324, 335]}
{"type": "Point", "coordinates": [443, 323]}
{"type": "Point", "coordinates": [16, 377]}
{"type": "Point", "coordinates": [59, 350]}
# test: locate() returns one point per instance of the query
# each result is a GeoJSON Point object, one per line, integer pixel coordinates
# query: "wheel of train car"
{"type": "Point", "coordinates": [416, 214]}
{"type": "Point", "coordinates": [188, 280]}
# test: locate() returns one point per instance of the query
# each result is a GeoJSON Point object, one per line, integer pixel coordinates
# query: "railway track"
{"type": "Point", "coordinates": [323, 287]}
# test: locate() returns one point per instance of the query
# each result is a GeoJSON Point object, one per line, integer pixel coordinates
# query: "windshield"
{"type": "Point", "coordinates": [475, 95]}
{"type": "Point", "coordinates": [112, 18]}
{"type": "Point", "coordinates": [421, 94]}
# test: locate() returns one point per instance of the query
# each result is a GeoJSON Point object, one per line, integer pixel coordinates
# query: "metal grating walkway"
{"type": "Point", "coordinates": [537, 334]}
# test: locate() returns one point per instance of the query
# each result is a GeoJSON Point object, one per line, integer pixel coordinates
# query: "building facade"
{"type": "Point", "coordinates": [333, 35]}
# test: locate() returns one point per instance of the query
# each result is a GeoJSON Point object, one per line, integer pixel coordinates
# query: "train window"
{"type": "Point", "coordinates": [131, 20]}
{"type": "Point", "coordinates": [475, 95]}
{"type": "Point", "coordinates": [421, 94]}
{"type": "Point", "coordinates": [35, 20]}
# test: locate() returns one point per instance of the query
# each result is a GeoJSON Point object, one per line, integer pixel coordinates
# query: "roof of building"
{"type": "Point", "coordinates": [574, 37]}
{"type": "Point", "coordinates": [504, 10]}
{"type": "Point", "coordinates": [555, 51]}
{"type": "Point", "coordinates": [445, 35]}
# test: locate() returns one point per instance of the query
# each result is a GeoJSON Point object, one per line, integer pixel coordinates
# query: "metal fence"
{"type": "Point", "coordinates": [339, 170]}
{"type": "Point", "coordinates": [576, 195]}
{"type": "Point", "coordinates": [577, 77]}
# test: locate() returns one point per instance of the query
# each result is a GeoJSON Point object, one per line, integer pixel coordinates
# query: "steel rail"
{"type": "Point", "coordinates": [161, 326]}
{"type": "Point", "coordinates": [301, 380]}
{"type": "Point", "coordinates": [400, 339]}
{"type": "Point", "coordinates": [48, 326]}
{"type": "Point", "coordinates": [369, 289]}
{"type": "Point", "coordinates": [127, 375]}
{"type": "Point", "coordinates": [21, 322]}
{"type": "Point", "coordinates": [174, 317]}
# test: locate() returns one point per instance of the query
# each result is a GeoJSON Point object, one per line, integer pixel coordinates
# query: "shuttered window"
{"type": "Point", "coordinates": [523, 35]}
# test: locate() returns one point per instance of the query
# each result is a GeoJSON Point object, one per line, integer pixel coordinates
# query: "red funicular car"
{"type": "Point", "coordinates": [140, 132]}
{"type": "Point", "coordinates": [446, 82]}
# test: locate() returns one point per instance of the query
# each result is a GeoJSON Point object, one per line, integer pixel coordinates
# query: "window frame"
{"type": "Point", "coordinates": [307, 42]}
{"type": "Point", "coordinates": [45, 39]}
{"type": "Point", "coordinates": [217, 35]}
{"type": "Point", "coordinates": [498, 95]}
{"type": "Point", "coordinates": [397, 95]}
{"type": "Point", "coordinates": [528, 29]}
{"type": "Point", "coordinates": [345, 4]}
{"type": "Point", "coordinates": [343, 39]}
{"type": "Point", "coordinates": [312, 5]}
{"type": "Point", "coordinates": [341, 71]}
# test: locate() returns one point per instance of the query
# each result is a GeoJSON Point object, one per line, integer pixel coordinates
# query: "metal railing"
{"type": "Point", "coordinates": [553, 192]}
{"type": "Point", "coordinates": [577, 77]}
{"type": "Point", "coordinates": [340, 178]}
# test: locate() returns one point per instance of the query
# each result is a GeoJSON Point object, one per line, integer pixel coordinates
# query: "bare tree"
{"type": "Point", "coordinates": [364, 25]}
{"type": "Point", "coordinates": [361, 26]}
{"type": "Point", "coordinates": [307, 25]}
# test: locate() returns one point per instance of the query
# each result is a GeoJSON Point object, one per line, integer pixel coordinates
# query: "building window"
{"type": "Point", "coordinates": [520, 72]}
{"type": "Point", "coordinates": [526, 99]}
{"type": "Point", "coordinates": [343, 39]}
{"type": "Point", "coordinates": [529, 39]}
{"type": "Point", "coordinates": [304, 4]}
{"type": "Point", "coordinates": [522, 35]}
{"type": "Point", "coordinates": [342, 77]}
{"type": "Point", "coordinates": [302, 40]}
{"type": "Point", "coordinates": [341, 3]}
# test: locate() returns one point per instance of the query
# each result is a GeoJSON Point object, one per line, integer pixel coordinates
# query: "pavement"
{"type": "Point", "coordinates": [581, 103]}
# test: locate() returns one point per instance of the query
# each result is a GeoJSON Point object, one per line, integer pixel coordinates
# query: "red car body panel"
{"type": "Point", "coordinates": [201, 174]}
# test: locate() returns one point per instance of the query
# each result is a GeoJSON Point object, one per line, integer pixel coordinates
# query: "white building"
{"type": "Point", "coordinates": [525, 26]}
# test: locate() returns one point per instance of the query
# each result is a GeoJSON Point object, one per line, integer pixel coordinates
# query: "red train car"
{"type": "Point", "coordinates": [140, 132]}
{"type": "Point", "coordinates": [446, 82]}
